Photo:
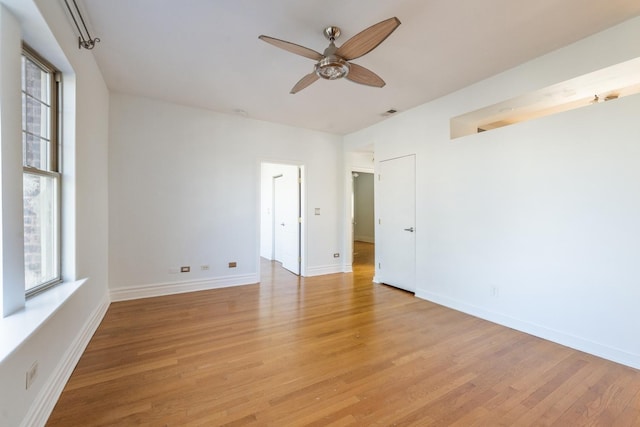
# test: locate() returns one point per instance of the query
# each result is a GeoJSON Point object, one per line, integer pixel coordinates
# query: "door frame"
{"type": "Point", "coordinates": [353, 200]}
{"type": "Point", "coordinates": [349, 169]}
{"type": "Point", "coordinates": [302, 245]}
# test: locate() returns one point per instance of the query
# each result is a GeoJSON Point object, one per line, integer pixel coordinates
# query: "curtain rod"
{"type": "Point", "coordinates": [87, 42]}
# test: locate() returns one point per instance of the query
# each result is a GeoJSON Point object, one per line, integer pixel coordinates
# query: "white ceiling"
{"type": "Point", "coordinates": [206, 53]}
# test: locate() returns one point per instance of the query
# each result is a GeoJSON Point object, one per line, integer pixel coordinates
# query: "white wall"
{"type": "Point", "coordinates": [11, 214]}
{"type": "Point", "coordinates": [184, 190]}
{"type": "Point", "coordinates": [359, 161]}
{"type": "Point", "coordinates": [546, 212]}
{"type": "Point", "coordinates": [59, 340]}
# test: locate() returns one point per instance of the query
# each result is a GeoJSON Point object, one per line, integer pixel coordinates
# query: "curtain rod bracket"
{"type": "Point", "coordinates": [87, 42]}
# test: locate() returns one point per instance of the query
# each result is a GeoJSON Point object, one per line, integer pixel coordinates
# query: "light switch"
{"type": "Point", "coordinates": [317, 211]}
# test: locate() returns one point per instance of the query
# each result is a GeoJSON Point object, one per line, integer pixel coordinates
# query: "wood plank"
{"type": "Point", "coordinates": [331, 350]}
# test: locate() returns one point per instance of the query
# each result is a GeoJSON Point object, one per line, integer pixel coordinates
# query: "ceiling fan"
{"type": "Point", "coordinates": [334, 62]}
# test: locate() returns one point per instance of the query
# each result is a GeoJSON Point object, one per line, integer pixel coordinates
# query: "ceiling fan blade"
{"type": "Point", "coordinates": [359, 74]}
{"type": "Point", "coordinates": [367, 40]}
{"type": "Point", "coordinates": [292, 47]}
{"type": "Point", "coordinates": [304, 82]}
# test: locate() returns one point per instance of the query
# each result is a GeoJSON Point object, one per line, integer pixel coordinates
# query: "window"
{"type": "Point", "coordinates": [41, 173]}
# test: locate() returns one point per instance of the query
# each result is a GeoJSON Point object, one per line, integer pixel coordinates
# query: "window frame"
{"type": "Point", "coordinates": [53, 169]}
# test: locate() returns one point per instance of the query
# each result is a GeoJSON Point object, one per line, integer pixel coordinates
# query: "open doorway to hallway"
{"type": "Point", "coordinates": [281, 198]}
{"type": "Point", "coordinates": [360, 236]}
{"type": "Point", "coordinates": [363, 220]}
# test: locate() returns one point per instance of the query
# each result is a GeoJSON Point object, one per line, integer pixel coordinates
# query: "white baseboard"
{"type": "Point", "coordinates": [559, 337]}
{"type": "Point", "coordinates": [48, 397]}
{"type": "Point", "coordinates": [324, 269]}
{"type": "Point", "coordinates": [159, 289]}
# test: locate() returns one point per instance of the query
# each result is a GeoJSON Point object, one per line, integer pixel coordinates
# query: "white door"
{"type": "Point", "coordinates": [286, 210]}
{"type": "Point", "coordinates": [278, 220]}
{"type": "Point", "coordinates": [396, 215]}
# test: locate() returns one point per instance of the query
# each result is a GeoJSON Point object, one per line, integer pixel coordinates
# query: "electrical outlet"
{"type": "Point", "coordinates": [185, 269]}
{"type": "Point", "coordinates": [32, 373]}
{"type": "Point", "coordinates": [233, 264]}
{"type": "Point", "coordinates": [336, 255]}
{"type": "Point", "coordinates": [204, 267]}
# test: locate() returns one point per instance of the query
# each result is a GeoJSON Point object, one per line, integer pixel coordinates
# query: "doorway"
{"type": "Point", "coordinates": [281, 215]}
{"type": "Point", "coordinates": [363, 220]}
{"type": "Point", "coordinates": [359, 173]}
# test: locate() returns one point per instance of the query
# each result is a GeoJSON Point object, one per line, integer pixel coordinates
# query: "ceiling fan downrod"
{"type": "Point", "coordinates": [331, 67]}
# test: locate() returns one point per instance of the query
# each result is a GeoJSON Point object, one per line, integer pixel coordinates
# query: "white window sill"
{"type": "Point", "coordinates": [16, 328]}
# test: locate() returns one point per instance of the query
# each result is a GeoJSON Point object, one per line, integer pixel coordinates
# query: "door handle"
{"type": "Point", "coordinates": [410, 229]}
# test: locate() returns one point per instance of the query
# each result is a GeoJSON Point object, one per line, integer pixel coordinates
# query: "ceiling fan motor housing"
{"type": "Point", "coordinates": [332, 67]}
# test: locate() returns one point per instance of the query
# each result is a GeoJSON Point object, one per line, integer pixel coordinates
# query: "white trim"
{"type": "Point", "coordinates": [361, 169]}
{"type": "Point", "coordinates": [324, 269]}
{"type": "Point", "coordinates": [46, 400]}
{"type": "Point", "coordinates": [159, 289]}
{"type": "Point", "coordinates": [19, 326]}
{"type": "Point", "coordinates": [562, 338]}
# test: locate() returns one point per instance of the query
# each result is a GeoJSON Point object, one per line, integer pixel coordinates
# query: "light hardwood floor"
{"type": "Point", "coordinates": [332, 350]}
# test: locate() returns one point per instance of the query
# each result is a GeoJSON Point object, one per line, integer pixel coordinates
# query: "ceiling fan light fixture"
{"type": "Point", "coordinates": [332, 67]}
